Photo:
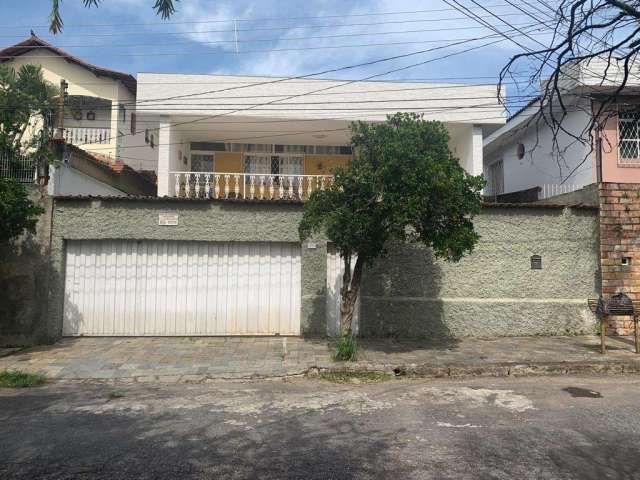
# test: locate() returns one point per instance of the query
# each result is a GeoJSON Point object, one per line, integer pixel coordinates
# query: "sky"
{"type": "Point", "coordinates": [282, 37]}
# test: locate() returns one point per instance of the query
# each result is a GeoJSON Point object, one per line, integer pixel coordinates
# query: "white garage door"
{"type": "Point", "coordinates": [181, 288]}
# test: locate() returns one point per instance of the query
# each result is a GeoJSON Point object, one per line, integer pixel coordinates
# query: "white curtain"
{"type": "Point", "coordinates": [257, 164]}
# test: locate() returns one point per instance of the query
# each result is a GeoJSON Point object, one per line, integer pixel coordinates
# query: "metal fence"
{"type": "Point", "coordinates": [20, 168]}
{"type": "Point", "coordinates": [553, 189]}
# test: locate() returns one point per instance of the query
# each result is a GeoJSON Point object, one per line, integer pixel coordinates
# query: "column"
{"type": "Point", "coordinates": [164, 157]}
{"type": "Point", "coordinates": [476, 161]}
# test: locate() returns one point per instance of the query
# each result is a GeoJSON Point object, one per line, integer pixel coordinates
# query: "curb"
{"type": "Point", "coordinates": [410, 371]}
{"type": "Point", "coordinates": [495, 369]}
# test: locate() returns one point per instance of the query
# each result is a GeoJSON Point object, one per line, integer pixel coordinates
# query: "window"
{"type": "Point", "coordinates": [146, 136]}
{"type": "Point", "coordinates": [202, 162]}
{"type": "Point", "coordinates": [133, 124]}
{"type": "Point", "coordinates": [629, 132]}
{"type": "Point", "coordinates": [495, 179]}
{"type": "Point", "coordinates": [273, 164]}
{"type": "Point", "coordinates": [152, 141]}
{"type": "Point", "coordinates": [122, 113]}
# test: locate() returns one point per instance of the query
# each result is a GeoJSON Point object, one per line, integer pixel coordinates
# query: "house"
{"type": "Point", "coordinates": [521, 155]}
{"type": "Point", "coordinates": [98, 120]}
{"type": "Point", "coordinates": [273, 138]}
{"type": "Point", "coordinates": [217, 252]}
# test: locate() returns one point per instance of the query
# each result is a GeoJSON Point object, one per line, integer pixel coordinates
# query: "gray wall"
{"type": "Point", "coordinates": [491, 292]}
{"type": "Point", "coordinates": [24, 267]}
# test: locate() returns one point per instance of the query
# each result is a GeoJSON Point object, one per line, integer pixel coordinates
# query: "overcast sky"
{"type": "Point", "coordinates": [201, 37]}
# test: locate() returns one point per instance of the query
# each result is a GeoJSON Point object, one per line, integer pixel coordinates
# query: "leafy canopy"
{"type": "Point", "coordinates": [25, 97]}
{"type": "Point", "coordinates": [404, 184]}
{"type": "Point", "coordinates": [17, 212]}
{"type": "Point", "coordinates": [164, 8]}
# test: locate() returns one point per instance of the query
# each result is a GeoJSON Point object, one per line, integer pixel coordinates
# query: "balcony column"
{"type": "Point", "coordinates": [164, 157]}
{"type": "Point", "coordinates": [476, 161]}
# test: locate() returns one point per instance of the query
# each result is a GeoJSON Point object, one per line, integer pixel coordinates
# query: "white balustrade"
{"type": "Point", "coordinates": [247, 186]}
{"type": "Point", "coordinates": [86, 136]}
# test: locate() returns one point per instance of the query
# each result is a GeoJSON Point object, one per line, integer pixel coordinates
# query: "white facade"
{"type": "Point", "coordinates": [528, 158]}
{"type": "Point", "coordinates": [66, 180]}
{"type": "Point", "coordinates": [265, 110]}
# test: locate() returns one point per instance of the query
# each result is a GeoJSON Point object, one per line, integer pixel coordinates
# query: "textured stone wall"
{"type": "Point", "coordinates": [619, 238]}
{"type": "Point", "coordinates": [24, 267]}
{"type": "Point", "coordinates": [491, 292]}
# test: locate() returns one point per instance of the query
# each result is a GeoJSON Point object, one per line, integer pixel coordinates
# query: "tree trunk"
{"type": "Point", "coordinates": [349, 294]}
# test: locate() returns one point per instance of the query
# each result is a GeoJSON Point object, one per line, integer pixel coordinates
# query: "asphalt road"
{"type": "Point", "coordinates": [534, 428]}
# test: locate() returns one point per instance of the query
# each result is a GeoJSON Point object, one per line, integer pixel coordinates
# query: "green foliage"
{"type": "Point", "coordinates": [404, 184]}
{"type": "Point", "coordinates": [164, 8]}
{"type": "Point", "coordinates": [17, 379]}
{"type": "Point", "coordinates": [25, 99]}
{"type": "Point", "coordinates": [17, 212]}
{"type": "Point", "coordinates": [346, 349]}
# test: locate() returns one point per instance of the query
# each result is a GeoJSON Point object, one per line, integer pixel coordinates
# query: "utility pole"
{"type": "Point", "coordinates": [59, 135]}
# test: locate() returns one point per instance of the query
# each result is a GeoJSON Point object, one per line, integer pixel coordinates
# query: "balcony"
{"type": "Point", "coordinates": [87, 136]}
{"type": "Point", "coordinates": [247, 186]}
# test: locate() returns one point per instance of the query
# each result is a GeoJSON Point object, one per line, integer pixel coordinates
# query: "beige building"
{"type": "Point", "coordinates": [101, 101]}
{"type": "Point", "coordinates": [99, 120]}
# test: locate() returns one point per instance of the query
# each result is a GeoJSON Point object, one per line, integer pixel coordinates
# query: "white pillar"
{"type": "Point", "coordinates": [164, 157]}
{"type": "Point", "coordinates": [476, 163]}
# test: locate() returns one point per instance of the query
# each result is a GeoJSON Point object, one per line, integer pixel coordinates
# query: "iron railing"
{"type": "Point", "coordinates": [20, 168]}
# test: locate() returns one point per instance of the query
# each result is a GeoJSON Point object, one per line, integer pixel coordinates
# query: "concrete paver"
{"type": "Point", "coordinates": [197, 359]}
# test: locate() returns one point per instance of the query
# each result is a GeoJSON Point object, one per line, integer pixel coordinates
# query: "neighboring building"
{"type": "Point", "coordinates": [265, 137]}
{"type": "Point", "coordinates": [99, 120]}
{"type": "Point", "coordinates": [521, 155]}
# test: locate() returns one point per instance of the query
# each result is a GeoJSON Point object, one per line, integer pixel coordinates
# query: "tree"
{"type": "Point", "coordinates": [164, 8]}
{"type": "Point", "coordinates": [404, 184]}
{"type": "Point", "coordinates": [25, 99]}
{"type": "Point", "coordinates": [17, 212]}
{"type": "Point", "coordinates": [582, 31]}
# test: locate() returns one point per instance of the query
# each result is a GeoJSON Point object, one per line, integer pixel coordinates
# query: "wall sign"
{"type": "Point", "coordinates": [168, 219]}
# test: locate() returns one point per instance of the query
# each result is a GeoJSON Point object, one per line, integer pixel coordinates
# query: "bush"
{"type": "Point", "coordinates": [346, 349]}
{"type": "Point", "coordinates": [17, 212]}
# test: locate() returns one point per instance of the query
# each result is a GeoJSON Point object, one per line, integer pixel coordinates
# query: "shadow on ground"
{"type": "Point", "coordinates": [124, 445]}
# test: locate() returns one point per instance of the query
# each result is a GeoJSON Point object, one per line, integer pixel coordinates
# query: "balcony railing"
{"type": "Point", "coordinates": [87, 136]}
{"type": "Point", "coordinates": [249, 186]}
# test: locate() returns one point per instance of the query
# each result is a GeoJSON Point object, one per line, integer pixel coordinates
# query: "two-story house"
{"type": "Point", "coordinates": [218, 253]}
{"type": "Point", "coordinates": [99, 118]}
{"type": "Point", "coordinates": [263, 137]}
{"type": "Point", "coordinates": [523, 154]}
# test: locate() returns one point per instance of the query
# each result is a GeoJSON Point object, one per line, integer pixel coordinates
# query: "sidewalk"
{"type": "Point", "coordinates": [199, 359]}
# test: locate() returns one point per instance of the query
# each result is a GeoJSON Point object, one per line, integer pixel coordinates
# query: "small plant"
{"type": "Point", "coordinates": [115, 395]}
{"type": "Point", "coordinates": [17, 379]}
{"type": "Point", "coordinates": [346, 349]}
{"type": "Point", "coordinates": [346, 376]}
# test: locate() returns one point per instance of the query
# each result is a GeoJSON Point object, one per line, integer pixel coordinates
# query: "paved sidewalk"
{"type": "Point", "coordinates": [199, 359]}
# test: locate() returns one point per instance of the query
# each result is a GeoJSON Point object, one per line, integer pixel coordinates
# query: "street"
{"type": "Point", "coordinates": [525, 428]}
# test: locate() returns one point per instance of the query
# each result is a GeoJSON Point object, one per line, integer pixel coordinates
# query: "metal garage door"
{"type": "Point", "coordinates": [181, 288]}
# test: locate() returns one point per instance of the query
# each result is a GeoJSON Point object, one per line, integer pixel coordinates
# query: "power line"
{"type": "Point", "coordinates": [197, 22]}
{"type": "Point", "coordinates": [335, 86]}
{"type": "Point", "coordinates": [247, 52]}
{"type": "Point", "coordinates": [261, 40]}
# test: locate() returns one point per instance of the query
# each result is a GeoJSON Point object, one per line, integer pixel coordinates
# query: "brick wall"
{"type": "Point", "coordinates": [619, 238]}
